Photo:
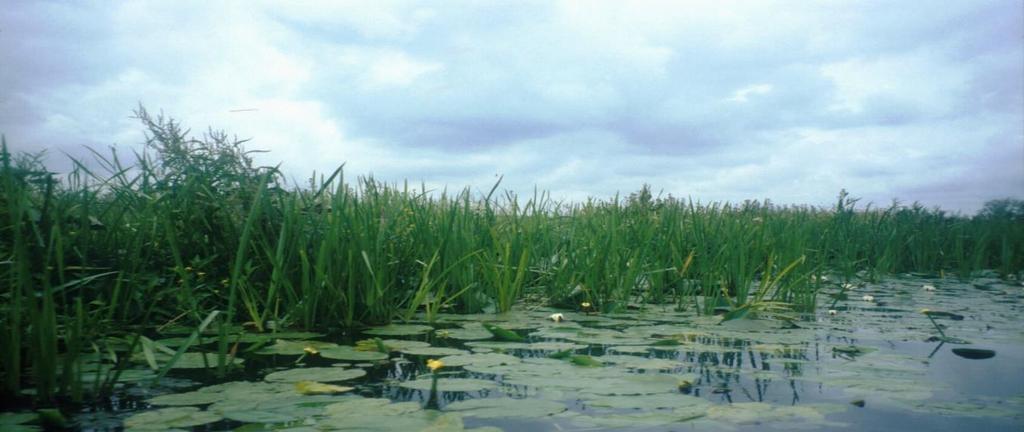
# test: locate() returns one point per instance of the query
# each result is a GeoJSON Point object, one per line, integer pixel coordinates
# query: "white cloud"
{"type": "Point", "coordinates": [719, 101]}
{"type": "Point", "coordinates": [742, 95]}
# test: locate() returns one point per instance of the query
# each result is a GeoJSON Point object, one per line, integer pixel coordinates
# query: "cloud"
{"type": "Point", "coordinates": [714, 100]}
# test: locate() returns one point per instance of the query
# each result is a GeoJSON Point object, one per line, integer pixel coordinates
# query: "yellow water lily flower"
{"type": "Point", "coordinates": [434, 364]}
{"type": "Point", "coordinates": [311, 351]}
{"type": "Point", "coordinates": [926, 311]}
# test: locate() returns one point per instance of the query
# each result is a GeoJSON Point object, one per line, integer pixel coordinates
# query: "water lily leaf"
{"type": "Point", "coordinates": [433, 351]}
{"type": "Point", "coordinates": [503, 334]}
{"type": "Point", "coordinates": [287, 347]}
{"type": "Point", "coordinates": [635, 349]}
{"type": "Point", "coordinates": [852, 350]}
{"type": "Point", "coordinates": [399, 330]}
{"type": "Point", "coordinates": [265, 337]}
{"type": "Point", "coordinates": [469, 333]}
{"type": "Point", "coordinates": [260, 416]}
{"type": "Point", "coordinates": [323, 374]}
{"type": "Point", "coordinates": [480, 360]}
{"type": "Point", "coordinates": [8, 419]}
{"type": "Point", "coordinates": [757, 412]}
{"type": "Point", "coordinates": [450, 384]}
{"type": "Point", "coordinates": [171, 418]}
{"type": "Point", "coordinates": [315, 388]}
{"type": "Point", "coordinates": [647, 402]}
{"type": "Point", "coordinates": [191, 360]}
{"type": "Point", "coordinates": [636, 362]}
{"type": "Point", "coordinates": [187, 398]}
{"type": "Point", "coordinates": [974, 353]}
{"type": "Point", "coordinates": [498, 408]}
{"type": "Point", "coordinates": [585, 361]}
{"type": "Point", "coordinates": [348, 353]}
{"type": "Point", "coordinates": [736, 313]}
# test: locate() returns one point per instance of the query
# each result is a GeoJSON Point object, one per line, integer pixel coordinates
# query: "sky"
{"type": "Point", "coordinates": [792, 101]}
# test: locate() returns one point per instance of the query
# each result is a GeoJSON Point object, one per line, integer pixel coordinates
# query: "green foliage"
{"type": "Point", "coordinates": [193, 229]}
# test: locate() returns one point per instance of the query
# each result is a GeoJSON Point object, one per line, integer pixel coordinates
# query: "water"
{"type": "Point", "coordinates": [868, 367]}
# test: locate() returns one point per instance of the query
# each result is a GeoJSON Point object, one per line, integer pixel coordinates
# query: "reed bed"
{"type": "Point", "coordinates": [190, 232]}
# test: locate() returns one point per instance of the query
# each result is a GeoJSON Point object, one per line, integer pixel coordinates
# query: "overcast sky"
{"type": "Point", "coordinates": [718, 101]}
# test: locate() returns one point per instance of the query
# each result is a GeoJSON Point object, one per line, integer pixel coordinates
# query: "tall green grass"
{"type": "Point", "coordinates": [192, 232]}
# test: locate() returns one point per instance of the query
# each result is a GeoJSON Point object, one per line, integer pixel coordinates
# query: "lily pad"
{"type": "Point", "coordinates": [171, 418]}
{"type": "Point", "coordinates": [348, 353]}
{"type": "Point", "coordinates": [470, 333]}
{"type": "Point", "coordinates": [287, 347]}
{"type": "Point", "coordinates": [433, 351]}
{"type": "Point", "coordinates": [480, 360]}
{"type": "Point", "coordinates": [399, 330]}
{"type": "Point", "coordinates": [191, 360]}
{"type": "Point", "coordinates": [322, 374]}
{"type": "Point", "coordinates": [264, 337]}
{"type": "Point", "coordinates": [187, 399]}
{"type": "Point", "coordinates": [498, 408]}
{"type": "Point", "coordinates": [450, 384]}
{"type": "Point", "coordinates": [315, 388]}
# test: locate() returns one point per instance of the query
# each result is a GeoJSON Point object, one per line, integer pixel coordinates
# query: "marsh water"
{"type": "Point", "coordinates": [875, 363]}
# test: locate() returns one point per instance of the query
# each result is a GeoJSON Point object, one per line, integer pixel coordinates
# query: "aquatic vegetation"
{"type": "Point", "coordinates": [503, 334]}
{"type": "Point", "coordinates": [190, 256]}
{"type": "Point", "coordinates": [315, 388]}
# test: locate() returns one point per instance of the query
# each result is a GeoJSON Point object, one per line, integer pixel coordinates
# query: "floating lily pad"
{"type": "Point", "coordinates": [322, 374]}
{"type": "Point", "coordinates": [472, 333]}
{"type": "Point", "coordinates": [481, 360]}
{"type": "Point", "coordinates": [636, 362]}
{"type": "Point", "coordinates": [16, 422]}
{"type": "Point", "coordinates": [316, 388]}
{"type": "Point", "coordinates": [264, 337]}
{"type": "Point", "coordinates": [649, 402]}
{"type": "Point", "coordinates": [400, 344]}
{"type": "Point", "coordinates": [503, 334]}
{"type": "Point", "coordinates": [282, 408]}
{"type": "Point", "coordinates": [287, 347]}
{"type": "Point", "coordinates": [399, 330]}
{"type": "Point", "coordinates": [450, 384]}
{"type": "Point", "coordinates": [757, 413]}
{"type": "Point", "coordinates": [630, 349]}
{"type": "Point", "coordinates": [852, 350]}
{"type": "Point", "coordinates": [433, 351]}
{"type": "Point", "coordinates": [498, 408]}
{"type": "Point", "coordinates": [171, 418]}
{"type": "Point", "coordinates": [187, 398]}
{"type": "Point", "coordinates": [191, 360]}
{"type": "Point", "coordinates": [348, 353]}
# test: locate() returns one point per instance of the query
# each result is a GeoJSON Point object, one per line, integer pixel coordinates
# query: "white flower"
{"type": "Point", "coordinates": [832, 312]}
{"type": "Point", "coordinates": [928, 287]}
{"type": "Point", "coordinates": [868, 298]}
{"type": "Point", "coordinates": [847, 286]}
{"type": "Point", "coordinates": [557, 317]}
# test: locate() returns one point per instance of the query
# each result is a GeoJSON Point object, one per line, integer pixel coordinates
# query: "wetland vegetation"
{"type": "Point", "coordinates": [184, 286]}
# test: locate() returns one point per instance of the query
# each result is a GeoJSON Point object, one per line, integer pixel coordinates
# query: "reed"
{"type": "Point", "coordinates": [190, 231]}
